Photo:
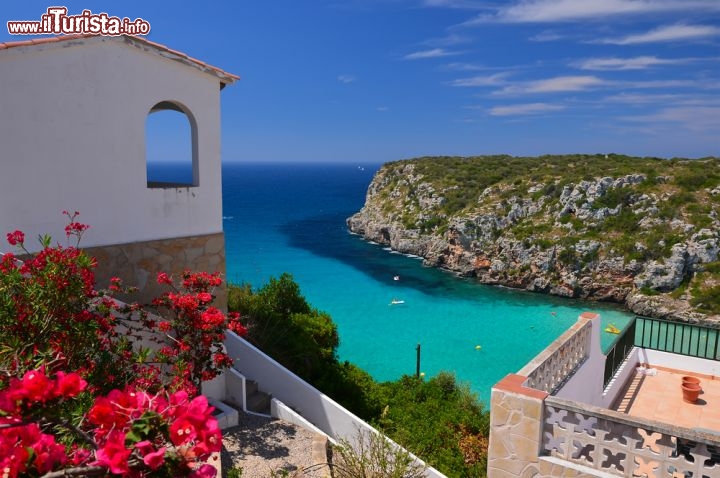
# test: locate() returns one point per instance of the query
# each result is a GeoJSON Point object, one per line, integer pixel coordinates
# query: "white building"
{"type": "Point", "coordinates": [73, 113]}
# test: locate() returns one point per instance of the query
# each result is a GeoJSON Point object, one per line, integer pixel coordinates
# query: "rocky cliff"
{"type": "Point", "coordinates": [639, 231]}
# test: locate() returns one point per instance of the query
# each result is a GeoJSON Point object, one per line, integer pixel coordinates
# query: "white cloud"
{"type": "Point", "coordinates": [695, 118]}
{"type": "Point", "coordinates": [382, 108]}
{"type": "Point", "coordinates": [490, 80]}
{"type": "Point", "coordinates": [524, 109]}
{"type": "Point", "coordinates": [541, 11]}
{"type": "Point", "coordinates": [346, 79]}
{"type": "Point", "coordinates": [449, 40]}
{"type": "Point", "coordinates": [454, 4]}
{"type": "Point", "coordinates": [546, 36]}
{"type": "Point", "coordinates": [554, 85]}
{"type": "Point", "coordinates": [465, 67]}
{"type": "Point", "coordinates": [641, 99]}
{"type": "Point", "coordinates": [666, 34]}
{"type": "Point", "coordinates": [460, 66]}
{"type": "Point", "coordinates": [637, 63]}
{"type": "Point", "coordinates": [662, 84]}
{"type": "Point", "coordinates": [433, 53]}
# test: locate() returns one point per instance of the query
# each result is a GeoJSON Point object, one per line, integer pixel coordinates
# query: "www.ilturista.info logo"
{"type": "Point", "coordinates": [57, 22]}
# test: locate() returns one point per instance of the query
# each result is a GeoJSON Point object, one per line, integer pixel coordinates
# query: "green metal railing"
{"type": "Point", "coordinates": [678, 337]}
{"type": "Point", "coordinates": [619, 351]}
{"type": "Point", "coordinates": [656, 334]}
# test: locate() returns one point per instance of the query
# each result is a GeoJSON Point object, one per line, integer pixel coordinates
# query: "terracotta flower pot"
{"type": "Point", "coordinates": [690, 379]}
{"type": "Point", "coordinates": [691, 391]}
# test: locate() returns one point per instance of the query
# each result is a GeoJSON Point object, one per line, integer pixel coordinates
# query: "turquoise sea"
{"type": "Point", "coordinates": [291, 218]}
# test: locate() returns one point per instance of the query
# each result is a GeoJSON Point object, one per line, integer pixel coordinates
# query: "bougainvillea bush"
{"type": "Point", "coordinates": [78, 395]}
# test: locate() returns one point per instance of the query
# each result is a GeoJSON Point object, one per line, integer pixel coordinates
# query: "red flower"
{"type": "Point", "coordinates": [102, 413]}
{"type": "Point", "coordinates": [16, 237]}
{"type": "Point", "coordinates": [115, 284]}
{"type": "Point", "coordinates": [238, 328]}
{"type": "Point", "coordinates": [37, 387]}
{"type": "Point", "coordinates": [163, 278]}
{"type": "Point", "coordinates": [69, 384]}
{"type": "Point", "coordinates": [7, 263]}
{"type": "Point", "coordinates": [75, 228]}
{"type": "Point", "coordinates": [212, 317]}
{"type": "Point", "coordinates": [222, 360]}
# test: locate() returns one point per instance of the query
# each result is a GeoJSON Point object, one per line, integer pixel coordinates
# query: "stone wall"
{"type": "Point", "coordinates": [139, 263]}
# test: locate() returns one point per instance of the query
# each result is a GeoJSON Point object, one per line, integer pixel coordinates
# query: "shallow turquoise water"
{"type": "Point", "coordinates": [291, 218]}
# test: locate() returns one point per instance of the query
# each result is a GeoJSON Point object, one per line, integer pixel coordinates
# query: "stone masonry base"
{"type": "Point", "coordinates": [139, 263]}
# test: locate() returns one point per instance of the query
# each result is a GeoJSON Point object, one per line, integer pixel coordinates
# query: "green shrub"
{"type": "Point", "coordinates": [648, 291]}
{"type": "Point", "coordinates": [706, 299]}
{"type": "Point", "coordinates": [433, 418]}
{"type": "Point", "coordinates": [626, 222]}
{"type": "Point", "coordinates": [281, 323]}
{"type": "Point", "coordinates": [614, 197]}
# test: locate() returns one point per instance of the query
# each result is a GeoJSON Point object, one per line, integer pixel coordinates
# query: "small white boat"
{"type": "Point", "coordinates": [396, 278]}
{"type": "Point", "coordinates": [396, 302]}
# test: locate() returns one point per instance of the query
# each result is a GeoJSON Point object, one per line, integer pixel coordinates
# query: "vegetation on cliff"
{"type": "Point", "coordinates": [437, 419]}
{"type": "Point", "coordinates": [608, 227]}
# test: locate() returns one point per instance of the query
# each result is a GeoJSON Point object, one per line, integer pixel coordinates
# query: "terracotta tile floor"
{"type": "Point", "coordinates": [660, 398]}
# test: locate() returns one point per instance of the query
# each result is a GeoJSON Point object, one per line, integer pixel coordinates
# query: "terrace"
{"type": "Point", "coordinates": [577, 411]}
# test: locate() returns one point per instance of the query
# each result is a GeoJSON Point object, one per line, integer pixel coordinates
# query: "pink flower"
{"type": "Point", "coordinates": [182, 431]}
{"type": "Point", "coordinates": [113, 453]}
{"type": "Point", "coordinates": [16, 237]}
{"type": "Point", "coordinates": [152, 458]}
{"type": "Point", "coordinates": [79, 456]}
{"type": "Point", "coordinates": [48, 454]}
{"type": "Point", "coordinates": [205, 471]}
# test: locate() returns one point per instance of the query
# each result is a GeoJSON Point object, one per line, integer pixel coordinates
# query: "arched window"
{"type": "Point", "coordinates": [171, 146]}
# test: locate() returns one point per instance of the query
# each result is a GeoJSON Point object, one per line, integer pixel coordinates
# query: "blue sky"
{"type": "Point", "coordinates": [379, 80]}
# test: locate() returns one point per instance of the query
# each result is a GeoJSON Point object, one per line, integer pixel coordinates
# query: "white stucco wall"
{"type": "Point", "coordinates": [656, 358]}
{"type": "Point", "coordinates": [586, 385]}
{"type": "Point", "coordinates": [72, 136]}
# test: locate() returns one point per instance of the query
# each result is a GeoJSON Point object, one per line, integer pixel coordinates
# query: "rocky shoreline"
{"type": "Point", "coordinates": [497, 240]}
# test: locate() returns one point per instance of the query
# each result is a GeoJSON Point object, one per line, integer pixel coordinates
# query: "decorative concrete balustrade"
{"type": "Point", "coordinates": [561, 358]}
{"type": "Point", "coordinates": [613, 442]}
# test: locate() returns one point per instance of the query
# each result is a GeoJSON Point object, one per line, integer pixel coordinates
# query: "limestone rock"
{"type": "Point", "coordinates": [495, 242]}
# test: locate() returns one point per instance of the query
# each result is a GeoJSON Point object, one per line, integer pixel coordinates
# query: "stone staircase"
{"type": "Point", "coordinates": [256, 400]}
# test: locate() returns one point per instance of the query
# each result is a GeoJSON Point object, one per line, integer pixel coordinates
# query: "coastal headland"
{"type": "Point", "coordinates": [644, 232]}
